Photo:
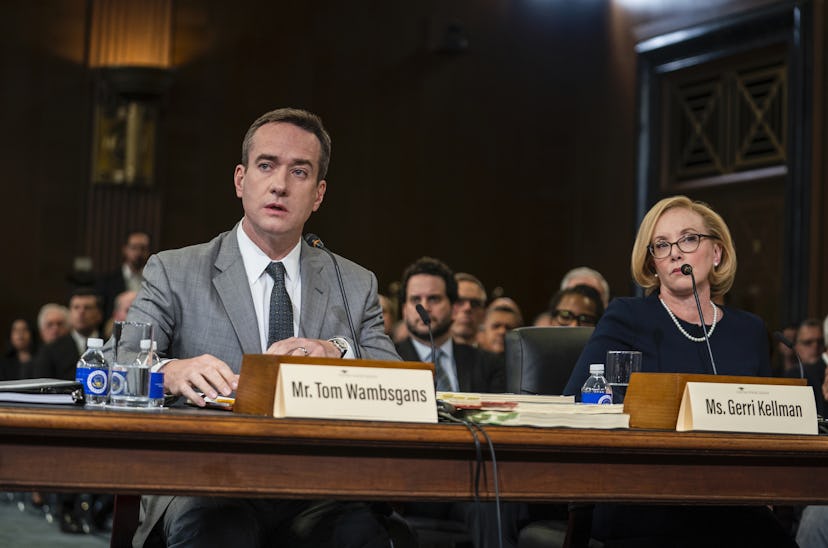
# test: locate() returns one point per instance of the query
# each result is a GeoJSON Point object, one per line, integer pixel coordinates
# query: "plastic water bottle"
{"type": "Point", "coordinates": [596, 389]}
{"type": "Point", "coordinates": [156, 389]}
{"type": "Point", "coordinates": [92, 371]}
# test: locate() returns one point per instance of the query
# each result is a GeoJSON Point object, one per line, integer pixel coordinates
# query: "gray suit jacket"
{"type": "Point", "coordinates": [199, 302]}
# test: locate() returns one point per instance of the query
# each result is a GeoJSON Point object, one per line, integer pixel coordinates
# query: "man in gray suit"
{"type": "Point", "coordinates": [259, 288]}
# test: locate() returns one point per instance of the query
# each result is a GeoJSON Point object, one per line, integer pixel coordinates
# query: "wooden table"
{"type": "Point", "coordinates": [200, 452]}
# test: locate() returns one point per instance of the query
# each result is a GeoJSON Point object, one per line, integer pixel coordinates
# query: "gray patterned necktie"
{"type": "Point", "coordinates": [441, 377]}
{"type": "Point", "coordinates": [280, 323]}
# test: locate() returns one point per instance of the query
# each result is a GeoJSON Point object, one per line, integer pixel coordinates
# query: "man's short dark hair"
{"type": "Point", "coordinates": [133, 232]}
{"type": "Point", "coordinates": [432, 267]}
{"type": "Point", "coordinates": [583, 290]}
{"type": "Point", "coordinates": [87, 292]}
{"type": "Point", "coordinates": [301, 119]}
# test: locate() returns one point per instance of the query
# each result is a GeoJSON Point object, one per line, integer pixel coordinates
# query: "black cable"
{"type": "Point", "coordinates": [496, 484]}
{"type": "Point", "coordinates": [471, 426]}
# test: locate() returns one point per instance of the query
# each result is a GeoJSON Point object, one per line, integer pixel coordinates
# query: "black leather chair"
{"type": "Point", "coordinates": [539, 360]}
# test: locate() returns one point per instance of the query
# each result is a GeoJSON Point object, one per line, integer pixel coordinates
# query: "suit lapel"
{"type": "Point", "coordinates": [317, 277]}
{"type": "Point", "coordinates": [407, 351]}
{"type": "Point", "coordinates": [231, 285]}
{"type": "Point", "coordinates": [462, 359]}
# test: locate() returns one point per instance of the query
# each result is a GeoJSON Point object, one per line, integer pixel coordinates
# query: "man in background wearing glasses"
{"type": "Point", "coordinates": [469, 310]}
{"type": "Point", "coordinates": [576, 306]}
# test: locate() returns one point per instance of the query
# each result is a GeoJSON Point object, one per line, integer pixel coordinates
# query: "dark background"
{"type": "Point", "coordinates": [514, 160]}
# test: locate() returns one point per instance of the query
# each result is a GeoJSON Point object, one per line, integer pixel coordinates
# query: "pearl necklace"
{"type": "Point", "coordinates": [685, 333]}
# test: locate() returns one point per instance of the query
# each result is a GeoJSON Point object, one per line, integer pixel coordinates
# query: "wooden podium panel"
{"type": "Point", "coordinates": [218, 453]}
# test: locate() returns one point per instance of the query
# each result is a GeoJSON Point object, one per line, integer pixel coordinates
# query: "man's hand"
{"type": "Point", "coordinates": [295, 346]}
{"type": "Point", "coordinates": [203, 374]}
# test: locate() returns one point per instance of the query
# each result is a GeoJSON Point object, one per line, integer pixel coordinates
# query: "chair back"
{"type": "Point", "coordinates": [539, 360]}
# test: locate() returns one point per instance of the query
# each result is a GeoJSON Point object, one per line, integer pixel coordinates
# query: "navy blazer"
{"type": "Point", "coordinates": [739, 343]}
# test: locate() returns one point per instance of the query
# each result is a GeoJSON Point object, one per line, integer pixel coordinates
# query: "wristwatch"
{"type": "Point", "coordinates": [341, 344]}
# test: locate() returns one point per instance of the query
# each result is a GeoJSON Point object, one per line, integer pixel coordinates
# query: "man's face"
{"type": "Point", "coordinates": [497, 324]}
{"type": "Point", "coordinates": [573, 307]}
{"type": "Point", "coordinates": [279, 188]}
{"type": "Point", "coordinates": [136, 251]}
{"type": "Point", "coordinates": [430, 292]}
{"type": "Point", "coordinates": [469, 310]}
{"type": "Point", "coordinates": [122, 303]}
{"type": "Point", "coordinates": [84, 314]}
{"type": "Point", "coordinates": [53, 326]}
{"type": "Point", "coordinates": [809, 343]}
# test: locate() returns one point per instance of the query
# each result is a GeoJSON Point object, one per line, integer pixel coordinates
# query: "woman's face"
{"type": "Point", "coordinates": [21, 337]}
{"type": "Point", "coordinates": [674, 224]}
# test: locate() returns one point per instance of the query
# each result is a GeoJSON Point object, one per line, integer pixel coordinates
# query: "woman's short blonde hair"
{"type": "Point", "coordinates": [641, 261]}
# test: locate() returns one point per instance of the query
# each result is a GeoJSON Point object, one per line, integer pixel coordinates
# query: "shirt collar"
{"type": "Point", "coordinates": [256, 261]}
{"type": "Point", "coordinates": [424, 350]}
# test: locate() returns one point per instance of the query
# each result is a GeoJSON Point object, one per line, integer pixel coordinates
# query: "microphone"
{"type": "Point", "coordinates": [790, 344]}
{"type": "Point", "coordinates": [687, 270]}
{"type": "Point", "coordinates": [427, 321]}
{"type": "Point", "coordinates": [314, 241]}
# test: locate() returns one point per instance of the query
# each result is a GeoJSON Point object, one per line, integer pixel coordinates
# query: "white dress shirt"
{"type": "Point", "coordinates": [447, 361]}
{"type": "Point", "coordinates": [261, 284]}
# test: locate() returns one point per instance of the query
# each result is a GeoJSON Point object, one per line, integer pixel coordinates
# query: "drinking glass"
{"type": "Point", "coordinates": [129, 377]}
{"type": "Point", "coordinates": [619, 366]}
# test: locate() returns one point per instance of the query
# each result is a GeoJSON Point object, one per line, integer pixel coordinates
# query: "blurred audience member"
{"type": "Point", "coordinates": [544, 319]}
{"type": "Point", "coordinates": [387, 313]}
{"type": "Point", "coordinates": [506, 302]}
{"type": "Point", "coordinates": [136, 251]}
{"type": "Point", "coordinates": [500, 319]}
{"type": "Point", "coordinates": [16, 363]}
{"type": "Point", "coordinates": [584, 275]}
{"type": "Point", "coordinates": [784, 363]}
{"type": "Point", "coordinates": [57, 359]}
{"type": "Point", "coordinates": [399, 331]}
{"type": "Point", "coordinates": [52, 322]}
{"type": "Point", "coordinates": [119, 312]}
{"type": "Point", "coordinates": [576, 306]}
{"type": "Point", "coordinates": [809, 341]}
{"type": "Point", "coordinates": [469, 309]}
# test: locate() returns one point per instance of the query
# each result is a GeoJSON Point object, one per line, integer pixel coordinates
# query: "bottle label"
{"type": "Point", "coordinates": [156, 391]}
{"type": "Point", "coordinates": [96, 382]}
{"type": "Point", "coordinates": [80, 375]}
{"type": "Point", "coordinates": [596, 398]}
{"type": "Point", "coordinates": [117, 383]}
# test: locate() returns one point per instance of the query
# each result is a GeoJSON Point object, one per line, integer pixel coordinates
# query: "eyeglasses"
{"type": "Point", "coordinates": [473, 303]}
{"type": "Point", "coordinates": [568, 317]}
{"type": "Point", "coordinates": [687, 243]}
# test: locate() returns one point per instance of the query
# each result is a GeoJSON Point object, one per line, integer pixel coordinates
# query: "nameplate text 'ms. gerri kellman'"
{"type": "Point", "coordinates": [767, 408]}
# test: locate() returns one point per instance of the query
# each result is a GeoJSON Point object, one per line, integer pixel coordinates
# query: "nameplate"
{"type": "Point", "coordinates": [357, 393]}
{"type": "Point", "coordinates": [763, 408]}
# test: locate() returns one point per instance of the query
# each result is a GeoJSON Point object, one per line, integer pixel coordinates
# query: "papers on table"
{"type": "Point", "coordinates": [542, 411]}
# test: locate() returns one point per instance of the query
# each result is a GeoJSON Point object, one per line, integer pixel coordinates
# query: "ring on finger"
{"type": "Point", "coordinates": [302, 348]}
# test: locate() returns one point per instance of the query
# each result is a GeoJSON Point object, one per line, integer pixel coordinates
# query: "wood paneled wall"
{"type": "Point", "coordinates": [512, 160]}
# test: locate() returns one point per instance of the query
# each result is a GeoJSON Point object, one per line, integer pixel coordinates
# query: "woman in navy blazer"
{"type": "Point", "coordinates": [665, 327]}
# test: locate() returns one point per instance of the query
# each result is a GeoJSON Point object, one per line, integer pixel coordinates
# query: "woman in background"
{"type": "Point", "coordinates": [665, 327]}
{"type": "Point", "coordinates": [16, 363]}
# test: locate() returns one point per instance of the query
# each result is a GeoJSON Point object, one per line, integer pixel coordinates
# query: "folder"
{"type": "Point", "coordinates": [42, 391]}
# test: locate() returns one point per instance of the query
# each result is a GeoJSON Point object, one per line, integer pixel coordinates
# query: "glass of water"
{"type": "Point", "coordinates": [619, 366]}
{"type": "Point", "coordinates": [129, 377]}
